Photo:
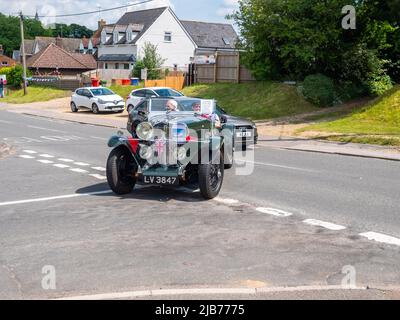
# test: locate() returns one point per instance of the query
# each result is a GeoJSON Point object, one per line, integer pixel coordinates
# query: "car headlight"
{"type": "Point", "coordinates": [101, 101]}
{"type": "Point", "coordinates": [145, 152]}
{"type": "Point", "coordinates": [181, 153]}
{"type": "Point", "coordinates": [144, 131]}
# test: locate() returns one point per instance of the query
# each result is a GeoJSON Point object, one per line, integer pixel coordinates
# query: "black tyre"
{"type": "Point", "coordinates": [73, 107]}
{"type": "Point", "coordinates": [211, 177]}
{"type": "Point", "coordinates": [95, 108]}
{"type": "Point", "coordinates": [120, 172]}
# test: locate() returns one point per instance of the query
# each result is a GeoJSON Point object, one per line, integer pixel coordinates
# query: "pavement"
{"type": "Point", "coordinates": [299, 225]}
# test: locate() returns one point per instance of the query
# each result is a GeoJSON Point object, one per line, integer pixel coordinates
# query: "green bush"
{"type": "Point", "coordinates": [319, 90]}
{"type": "Point", "coordinates": [347, 90]}
{"type": "Point", "coordinates": [379, 85]}
{"type": "Point", "coordinates": [14, 75]}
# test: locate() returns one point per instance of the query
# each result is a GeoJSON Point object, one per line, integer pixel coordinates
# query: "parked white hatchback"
{"type": "Point", "coordinates": [96, 99]}
{"type": "Point", "coordinates": [139, 95]}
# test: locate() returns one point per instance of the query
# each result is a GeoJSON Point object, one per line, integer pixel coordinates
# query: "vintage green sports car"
{"type": "Point", "coordinates": [181, 143]}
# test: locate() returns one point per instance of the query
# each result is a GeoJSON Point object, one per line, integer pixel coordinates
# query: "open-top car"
{"type": "Point", "coordinates": [181, 142]}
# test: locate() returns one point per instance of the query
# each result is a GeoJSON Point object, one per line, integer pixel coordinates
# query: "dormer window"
{"type": "Point", "coordinates": [129, 36]}
{"type": "Point", "coordinates": [168, 36]}
{"type": "Point", "coordinates": [103, 37]}
{"type": "Point", "coordinates": [115, 37]}
{"type": "Point", "coordinates": [226, 41]}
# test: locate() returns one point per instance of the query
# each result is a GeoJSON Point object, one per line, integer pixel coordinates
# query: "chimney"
{"type": "Point", "coordinates": [1, 49]}
{"type": "Point", "coordinates": [101, 24]}
{"type": "Point", "coordinates": [59, 42]}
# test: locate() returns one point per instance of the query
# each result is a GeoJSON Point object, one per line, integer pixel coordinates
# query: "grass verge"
{"type": "Point", "coordinates": [256, 100]}
{"type": "Point", "coordinates": [35, 94]}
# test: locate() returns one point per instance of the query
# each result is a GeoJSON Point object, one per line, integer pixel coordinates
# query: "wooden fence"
{"type": "Point", "coordinates": [227, 68]}
{"type": "Point", "coordinates": [175, 82]}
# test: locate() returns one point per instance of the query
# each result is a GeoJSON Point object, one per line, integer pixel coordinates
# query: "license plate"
{"type": "Point", "coordinates": [243, 134]}
{"type": "Point", "coordinates": [157, 180]}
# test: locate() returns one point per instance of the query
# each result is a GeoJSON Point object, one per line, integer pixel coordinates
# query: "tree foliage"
{"type": "Point", "coordinates": [151, 60]}
{"type": "Point", "coordinates": [296, 38]}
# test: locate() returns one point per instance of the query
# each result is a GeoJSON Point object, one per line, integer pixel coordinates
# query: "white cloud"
{"type": "Point", "coordinates": [228, 7]}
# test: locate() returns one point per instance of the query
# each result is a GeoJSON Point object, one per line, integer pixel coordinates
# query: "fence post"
{"type": "Point", "coordinates": [238, 68]}
{"type": "Point", "coordinates": [216, 67]}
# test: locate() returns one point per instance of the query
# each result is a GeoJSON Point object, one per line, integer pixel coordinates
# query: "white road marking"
{"type": "Point", "coordinates": [62, 166]}
{"type": "Point", "coordinates": [82, 164]}
{"type": "Point", "coordinates": [324, 224]}
{"type": "Point", "coordinates": [65, 160]}
{"type": "Point", "coordinates": [275, 165]}
{"type": "Point", "coordinates": [46, 156]}
{"type": "Point", "coordinates": [99, 169]}
{"type": "Point", "coordinates": [46, 129]}
{"type": "Point", "coordinates": [274, 212]}
{"type": "Point", "coordinates": [45, 161]}
{"type": "Point", "coordinates": [25, 156]}
{"type": "Point", "coordinates": [206, 291]}
{"type": "Point", "coordinates": [99, 138]}
{"type": "Point", "coordinates": [8, 122]}
{"type": "Point", "coordinates": [379, 237]}
{"type": "Point", "coordinates": [78, 170]}
{"type": "Point", "coordinates": [98, 176]}
{"type": "Point", "coordinates": [226, 201]}
{"type": "Point", "coordinates": [29, 151]}
{"type": "Point", "coordinates": [68, 196]}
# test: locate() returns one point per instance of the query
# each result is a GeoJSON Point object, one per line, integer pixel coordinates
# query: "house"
{"type": "Point", "coordinates": [6, 61]}
{"type": "Point", "coordinates": [121, 44]}
{"type": "Point", "coordinates": [54, 60]}
{"type": "Point", "coordinates": [73, 45]}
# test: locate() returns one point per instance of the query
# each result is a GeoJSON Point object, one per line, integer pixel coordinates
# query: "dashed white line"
{"type": "Point", "coordinates": [46, 129]}
{"type": "Point", "coordinates": [25, 156]}
{"type": "Point", "coordinates": [99, 169]}
{"type": "Point", "coordinates": [30, 151]}
{"type": "Point", "coordinates": [274, 212]}
{"type": "Point", "coordinates": [275, 165]}
{"type": "Point", "coordinates": [78, 170]}
{"type": "Point", "coordinates": [65, 160]}
{"type": "Point", "coordinates": [324, 224]}
{"type": "Point", "coordinates": [62, 166]}
{"type": "Point", "coordinates": [379, 237]}
{"type": "Point", "coordinates": [82, 164]}
{"type": "Point", "coordinates": [45, 155]}
{"type": "Point", "coordinates": [98, 176]}
{"type": "Point", "coordinates": [226, 201]}
{"type": "Point", "coordinates": [45, 161]}
{"type": "Point", "coordinates": [74, 195]}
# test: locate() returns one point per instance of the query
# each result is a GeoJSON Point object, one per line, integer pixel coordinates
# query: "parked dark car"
{"type": "Point", "coordinates": [171, 148]}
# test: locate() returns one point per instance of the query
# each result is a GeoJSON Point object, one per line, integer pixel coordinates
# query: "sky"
{"type": "Point", "coordinates": [203, 10]}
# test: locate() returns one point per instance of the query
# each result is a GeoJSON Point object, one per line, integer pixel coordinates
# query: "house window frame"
{"type": "Point", "coordinates": [168, 34]}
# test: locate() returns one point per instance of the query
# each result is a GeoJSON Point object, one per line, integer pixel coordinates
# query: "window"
{"type": "Point", "coordinates": [150, 93]}
{"type": "Point", "coordinates": [226, 41]}
{"type": "Point", "coordinates": [126, 66]}
{"type": "Point", "coordinates": [168, 36]}
{"type": "Point", "coordinates": [117, 66]}
{"type": "Point", "coordinates": [106, 66]}
{"type": "Point", "coordinates": [115, 37]}
{"type": "Point", "coordinates": [139, 93]}
{"type": "Point", "coordinates": [168, 93]}
{"type": "Point", "coordinates": [143, 107]}
{"type": "Point", "coordinates": [86, 93]}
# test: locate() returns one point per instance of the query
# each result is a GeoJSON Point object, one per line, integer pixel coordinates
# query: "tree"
{"type": "Point", "coordinates": [151, 60]}
{"type": "Point", "coordinates": [296, 38]}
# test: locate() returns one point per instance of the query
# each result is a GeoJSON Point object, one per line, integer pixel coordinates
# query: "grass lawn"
{"type": "Point", "coordinates": [378, 122]}
{"type": "Point", "coordinates": [35, 94]}
{"type": "Point", "coordinates": [257, 100]}
{"type": "Point", "coordinates": [123, 91]}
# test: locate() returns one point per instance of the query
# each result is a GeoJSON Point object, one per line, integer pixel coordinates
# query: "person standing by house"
{"type": "Point", "coordinates": [1, 88]}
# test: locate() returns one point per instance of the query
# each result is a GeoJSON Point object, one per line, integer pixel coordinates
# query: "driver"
{"type": "Point", "coordinates": [212, 117]}
{"type": "Point", "coordinates": [172, 105]}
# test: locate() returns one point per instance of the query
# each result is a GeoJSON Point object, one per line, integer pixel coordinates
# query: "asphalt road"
{"type": "Point", "coordinates": [53, 213]}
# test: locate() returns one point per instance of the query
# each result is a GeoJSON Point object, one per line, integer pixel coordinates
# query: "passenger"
{"type": "Point", "coordinates": [172, 106]}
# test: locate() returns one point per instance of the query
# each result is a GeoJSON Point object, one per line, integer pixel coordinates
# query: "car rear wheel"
{"type": "Point", "coordinates": [211, 176]}
{"type": "Point", "coordinates": [73, 107]}
{"type": "Point", "coordinates": [120, 173]}
{"type": "Point", "coordinates": [95, 108]}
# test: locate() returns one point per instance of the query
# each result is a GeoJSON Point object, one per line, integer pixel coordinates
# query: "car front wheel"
{"type": "Point", "coordinates": [211, 176]}
{"type": "Point", "coordinates": [73, 107]}
{"type": "Point", "coordinates": [95, 108]}
{"type": "Point", "coordinates": [120, 172]}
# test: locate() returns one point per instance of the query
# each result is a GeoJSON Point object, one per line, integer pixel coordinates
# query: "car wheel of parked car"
{"type": "Point", "coordinates": [129, 108]}
{"type": "Point", "coordinates": [210, 177]}
{"type": "Point", "coordinates": [95, 108]}
{"type": "Point", "coordinates": [73, 107]}
{"type": "Point", "coordinates": [120, 173]}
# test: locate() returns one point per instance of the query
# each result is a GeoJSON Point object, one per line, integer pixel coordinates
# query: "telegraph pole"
{"type": "Point", "coordinates": [21, 22]}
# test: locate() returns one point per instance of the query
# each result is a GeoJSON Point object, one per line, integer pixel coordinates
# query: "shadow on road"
{"type": "Point", "coordinates": [140, 192]}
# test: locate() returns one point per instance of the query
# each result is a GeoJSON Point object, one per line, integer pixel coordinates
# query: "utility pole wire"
{"type": "Point", "coordinates": [92, 12]}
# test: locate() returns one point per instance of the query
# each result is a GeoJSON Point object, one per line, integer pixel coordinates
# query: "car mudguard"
{"type": "Point", "coordinates": [130, 144]}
